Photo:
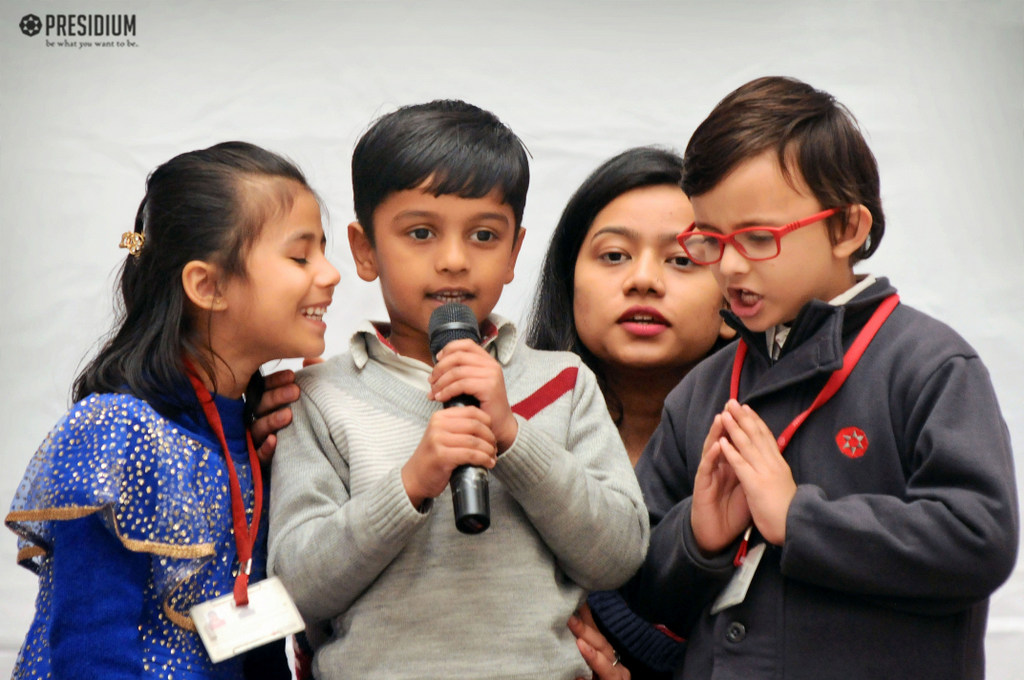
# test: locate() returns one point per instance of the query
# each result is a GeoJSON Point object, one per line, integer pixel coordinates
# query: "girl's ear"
{"type": "Point", "coordinates": [855, 231]}
{"type": "Point", "coordinates": [362, 252]}
{"type": "Point", "coordinates": [200, 281]}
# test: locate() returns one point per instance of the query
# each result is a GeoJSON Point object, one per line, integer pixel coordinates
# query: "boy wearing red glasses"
{"type": "Point", "coordinates": [834, 497]}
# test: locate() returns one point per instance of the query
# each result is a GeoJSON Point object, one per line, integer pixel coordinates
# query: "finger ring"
{"type": "Point", "coordinates": [617, 659]}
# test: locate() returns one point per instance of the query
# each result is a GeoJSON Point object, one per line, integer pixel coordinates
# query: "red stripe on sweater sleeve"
{"type": "Point", "coordinates": [547, 394]}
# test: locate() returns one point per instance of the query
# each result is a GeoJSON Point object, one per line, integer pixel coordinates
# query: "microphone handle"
{"type": "Point", "coordinates": [469, 484]}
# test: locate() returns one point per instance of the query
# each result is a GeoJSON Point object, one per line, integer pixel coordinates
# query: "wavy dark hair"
{"type": "Point", "coordinates": [459, 148]}
{"type": "Point", "coordinates": [551, 324]}
{"type": "Point", "coordinates": [808, 130]}
{"type": "Point", "coordinates": [208, 205]}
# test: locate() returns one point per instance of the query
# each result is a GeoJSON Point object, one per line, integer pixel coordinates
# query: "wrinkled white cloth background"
{"type": "Point", "coordinates": [937, 85]}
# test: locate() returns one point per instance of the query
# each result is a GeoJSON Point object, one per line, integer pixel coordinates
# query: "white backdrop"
{"type": "Point", "coordinates": [937, 85]}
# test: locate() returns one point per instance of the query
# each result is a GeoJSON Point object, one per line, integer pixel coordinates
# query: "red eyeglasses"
{"type": "Point", "coordinates": [753, 243]}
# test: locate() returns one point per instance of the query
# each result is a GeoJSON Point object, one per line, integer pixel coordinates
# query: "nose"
{"type": "Point", "coordinates": [327, 276]}
{"type": "Point", "coordinates": [732, 261]}
{"type": "Point", "coordinates": [646, 276]}
{"type": "Point", "coordinates": [451, 255]}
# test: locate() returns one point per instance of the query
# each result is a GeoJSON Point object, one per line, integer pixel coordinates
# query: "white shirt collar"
{"type": "Point", "coordinates": [853, 291]}
{"type": "Point", "coordinates": [369, 341]}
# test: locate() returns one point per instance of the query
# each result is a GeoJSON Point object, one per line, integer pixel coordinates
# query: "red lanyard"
{"type": "Point", "coordinates": [245, 536]}
{"type": "Point", "coordinates": [835, 381]}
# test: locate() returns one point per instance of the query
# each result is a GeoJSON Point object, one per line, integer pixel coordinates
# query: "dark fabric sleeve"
{"type": "Point", "coordinates": [98, 592]}
{"type": "Point", "coordinates": [951, 538]}
{"type": "Point", "coordinates": [647, 651]}
{"type": "Point", "coordinates": [675, 582]}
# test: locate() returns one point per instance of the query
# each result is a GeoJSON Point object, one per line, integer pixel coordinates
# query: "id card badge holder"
{"type": "Point", "coordinates": [736, 590]}
{"type": "Point", "coordinates": [228, 630]}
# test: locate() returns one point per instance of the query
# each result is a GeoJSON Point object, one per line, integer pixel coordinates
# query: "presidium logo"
{"type": "Point", "coordinates": [102, 30]}
{"type": "Point", "coordinates": [31, 24]}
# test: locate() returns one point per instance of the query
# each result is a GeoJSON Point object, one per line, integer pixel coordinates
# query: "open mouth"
{"type": "Point", "coordinates": [743, 302]}
{"type": "Point", "coordinates": [747, 297]}
{"type": "Point", "coordinates": [446, 296]}
{"type": "Point", "coordinates": [643, 322]}
{"type": "Point", "coordinates": [643, 316]}
{"type": "Point", "coordinates": [315, 313]}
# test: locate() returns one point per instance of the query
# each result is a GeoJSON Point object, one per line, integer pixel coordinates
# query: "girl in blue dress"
{"type": "Point", "coordinates": [126, 510]}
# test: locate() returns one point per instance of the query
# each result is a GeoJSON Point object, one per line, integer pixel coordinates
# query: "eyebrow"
{"type": "Point", "coordinates": [633, 234]}
{"type": "Point", "coordinates": [492, 216]}
{"type": "Point", "coordinates": [306, 236]}
{"type": "Point", "coordinates": [745, 224]}
{"type": "Point", "coordinates": [415, 213]}
{"type": "Point", "coordinates": [478, 216]}
{"type": "Point", "coordinates": [429, 213]}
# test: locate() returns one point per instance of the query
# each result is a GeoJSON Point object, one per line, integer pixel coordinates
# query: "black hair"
{"type": "Point", "coordinates": [552, 325]}
{"type": "Point", "coordinates": [454, 147]}
{"type": "Point", "coordinates": [808, 130]}
{"type": "Point", "coordinates": [207, 205]}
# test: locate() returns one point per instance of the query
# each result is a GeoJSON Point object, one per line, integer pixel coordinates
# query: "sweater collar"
{"type": "Point", "coordinates": [370, 340]}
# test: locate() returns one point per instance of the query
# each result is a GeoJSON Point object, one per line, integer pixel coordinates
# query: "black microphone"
{"type": "Point", "coordinates": [449, 322]}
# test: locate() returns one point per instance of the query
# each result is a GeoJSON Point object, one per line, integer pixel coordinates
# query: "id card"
{"type": "Point", "coordinates": [228, 630]}
{"type": "Point", "coordinates": [736, 590]}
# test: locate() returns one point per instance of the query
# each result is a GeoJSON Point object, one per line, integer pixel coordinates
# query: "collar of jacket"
{"type": "Point", "coordinates": [819, 337]}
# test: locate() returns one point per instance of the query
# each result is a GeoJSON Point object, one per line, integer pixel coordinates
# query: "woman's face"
{"type": "Point", "coordinates": [639, 303]}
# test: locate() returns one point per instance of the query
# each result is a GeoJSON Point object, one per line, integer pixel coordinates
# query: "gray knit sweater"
{"type": "Point", "coordinates": [406, 594]}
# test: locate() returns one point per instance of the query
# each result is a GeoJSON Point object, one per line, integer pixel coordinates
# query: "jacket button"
{"type": "Point", "coordinates": [735, 632]}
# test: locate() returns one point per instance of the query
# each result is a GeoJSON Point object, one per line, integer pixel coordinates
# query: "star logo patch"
{"type": "Point", "coordinates": [852, 442]}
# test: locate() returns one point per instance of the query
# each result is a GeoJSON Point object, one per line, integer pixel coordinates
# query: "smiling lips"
{"type": "Point", "coordinates": [315, 312]}
{"type": "Point", "coordinates": [643, 321]}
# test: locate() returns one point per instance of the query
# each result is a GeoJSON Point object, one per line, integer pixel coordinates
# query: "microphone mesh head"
{"type": "Point", "coordinates": [449, 322]}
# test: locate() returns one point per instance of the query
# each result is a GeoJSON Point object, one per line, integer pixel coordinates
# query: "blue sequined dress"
{"type": "Point", "coordinates": [125, 516]}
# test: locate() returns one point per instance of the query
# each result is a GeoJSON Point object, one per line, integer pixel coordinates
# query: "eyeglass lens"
{"type": "Point", "coordinates": [757, 244]}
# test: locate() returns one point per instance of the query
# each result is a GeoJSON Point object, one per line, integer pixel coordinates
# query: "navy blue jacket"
{"type": "Point", "coordinates": [890, 553]}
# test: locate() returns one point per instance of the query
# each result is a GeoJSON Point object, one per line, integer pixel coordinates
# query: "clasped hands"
{"type": "Point", "coordinates": [742, 479]}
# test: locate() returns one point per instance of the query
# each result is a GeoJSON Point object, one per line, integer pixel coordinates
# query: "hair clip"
{"type": "Point", "coordinates": [132, 240]}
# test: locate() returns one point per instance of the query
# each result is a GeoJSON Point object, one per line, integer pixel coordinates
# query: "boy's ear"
{"type": "Point", "coordinates": [855, 231]}
{"type": "Point", "coordinates": [201, 283]}
{"type": "Point", "coordinates": [362, 252]}
{"type": "Point", "coordinates": [510, 272]}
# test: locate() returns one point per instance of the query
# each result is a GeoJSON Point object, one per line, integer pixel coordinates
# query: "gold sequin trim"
{"type": "Point", "coordinates": [30, 553]}
{"type": "Point", "coordinates": [135, 545]}
{"type": "Point", "coordinates": [178, 619]}
{"type": "Point", "coordinates": [49, 513]}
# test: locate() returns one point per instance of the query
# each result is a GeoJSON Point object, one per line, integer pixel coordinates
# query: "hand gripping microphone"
{"type": "Point", "coordinates": [449, 322]}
